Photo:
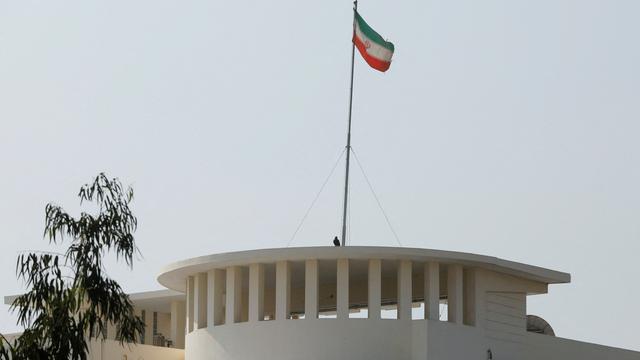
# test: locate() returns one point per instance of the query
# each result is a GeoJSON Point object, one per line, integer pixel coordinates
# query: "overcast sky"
{"type": "Point", "coordinates": [504, 127]}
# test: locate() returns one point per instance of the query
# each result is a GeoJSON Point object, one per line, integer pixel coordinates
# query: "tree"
{"type": "Point", "coordinates": [70, 298]}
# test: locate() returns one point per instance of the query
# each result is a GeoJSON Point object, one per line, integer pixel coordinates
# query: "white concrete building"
{"type": "Point", "coordinates": [348, 303]}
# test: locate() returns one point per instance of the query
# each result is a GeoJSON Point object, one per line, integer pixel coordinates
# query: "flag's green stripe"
{"type": "Point", "coordinates": [372, 34]}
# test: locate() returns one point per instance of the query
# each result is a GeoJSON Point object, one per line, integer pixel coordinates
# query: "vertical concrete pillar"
{"type": "Point", "coordinates": [469, 297]}
{"type": "Point", "coordinates": [480, 293]}
{"type": "Point", "coordinates": [178, 318]}
{"type": "Point", "coordinates": [283, 290]}
{"type": "Point", "coordinates": [404, 290]}
{"type": "Point", "coordinates": [138, 312]}
{"type": "Point", "coordinates": [215, 297]}
{"type": "Point", "coordinates": [190, 304]}
{"type": "Point", "coordinates": [200, 301]}
{"type": "Point", "coordinates": [375, 288]}
{"type": "Point", "coordinates": [256, 292]}
{"type": "Point", "coordinates": [234, 295]}
{"type": "Point", "coordinates": [342, 289]}
{"type": "Point", "coordinates": [454, 293]}
{"type": "Point", "coordinates": [432, 291]}
{"type": "Point", "coordinates": [148, 327]}
{"type": "Point", "coordinates": [311, 289]}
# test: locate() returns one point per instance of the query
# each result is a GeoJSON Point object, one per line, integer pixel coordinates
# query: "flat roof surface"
{"type": "Point", "coordinates": [174, 275]}
{"type": "Point", "coordinates": [156, 300]}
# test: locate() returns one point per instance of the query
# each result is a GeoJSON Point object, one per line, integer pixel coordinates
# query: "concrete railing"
{"type": "Point", "coordinates": [111, 349]}
{"type": "Point", "coordinates": [311, 288]}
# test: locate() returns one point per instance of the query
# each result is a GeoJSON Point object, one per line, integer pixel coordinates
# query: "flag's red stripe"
{"type": "Point", "coordinates": [372, 61]}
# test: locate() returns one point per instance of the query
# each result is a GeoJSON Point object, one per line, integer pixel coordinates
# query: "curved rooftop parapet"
{"type": "Point", "coordinates": [174, 276]}
{"type": "Point", "coordinates": [295, 301]}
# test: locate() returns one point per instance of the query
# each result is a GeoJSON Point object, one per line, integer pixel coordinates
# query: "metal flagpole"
{"type": "Point", "coordinates": [346, 177]}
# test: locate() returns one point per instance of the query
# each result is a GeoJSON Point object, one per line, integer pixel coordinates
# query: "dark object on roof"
{"type": "Point", "coordinates": [536, 324]}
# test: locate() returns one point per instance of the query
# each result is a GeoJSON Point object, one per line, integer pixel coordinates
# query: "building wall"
{"type": "Point", "coordinates": [447, 341]}
{"type": "Point", "coordinates": [370, 339]}
{"type": "Point", "coordinates": [319, 339]}
{"type": "Point", "coordinates": [112, 350]}
{"type": "Point", "coordinates": [486, 313]}
{"type": "Point", "coordinates": [505, 315]}
{"type": "Point", "coordinates": [164, 324]}
{"type": "Point", "coordinates": [554, 348]}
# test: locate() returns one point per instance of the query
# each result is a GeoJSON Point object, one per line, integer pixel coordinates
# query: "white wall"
{"type": "Point", "coordinates": [319, 339]}
{"type": "Point", "coordinates": [553, 348]}
{"type": "Point", "coordinates": [112, 350]}
{"type": "Point", "coordinates": [372, 339]}
{"type": "Point", "coordinates": [164, 324]}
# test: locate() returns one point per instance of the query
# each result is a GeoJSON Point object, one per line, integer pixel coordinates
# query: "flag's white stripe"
{"type": "Point", "coordinates": [373, 49]}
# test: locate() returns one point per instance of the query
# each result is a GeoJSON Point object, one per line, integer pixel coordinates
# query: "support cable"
{"type": "Point", "coordinates": [316, 198]}
{"type": "Point", "coordinates": [376, 197]}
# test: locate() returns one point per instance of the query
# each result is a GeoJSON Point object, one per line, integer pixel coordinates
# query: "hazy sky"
{"type": "Point", "coordinates": [504, 127]}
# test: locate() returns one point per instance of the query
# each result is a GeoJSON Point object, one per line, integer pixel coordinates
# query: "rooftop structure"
{"type": "Point", "coordinates": [348, 303]}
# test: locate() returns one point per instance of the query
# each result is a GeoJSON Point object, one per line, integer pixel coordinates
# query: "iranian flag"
{"type": "Point", "coordinates": [376, 51]}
